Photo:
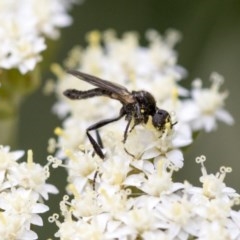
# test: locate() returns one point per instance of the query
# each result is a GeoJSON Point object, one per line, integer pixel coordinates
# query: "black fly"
{"type": "Point", "coordinates": [136, 106]}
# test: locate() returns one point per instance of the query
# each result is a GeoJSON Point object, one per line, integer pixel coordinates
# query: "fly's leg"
{"type": "Point", "coordinates": [96, 146]}
{"type": "Point", "coordinates": [138, 118]}
{"type": "Point", "coordinates": [126, 130]}
{"type": "Point", "coordinates": [99, 141]}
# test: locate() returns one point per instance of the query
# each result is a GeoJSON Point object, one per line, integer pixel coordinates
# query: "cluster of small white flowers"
{"type": "Point", "coordinates": [24, 25]}
{"type": "Point", "coordinates": [137, 199]}
{"type": "Point", "coordinates": [130, 194]}
{"type": "Point", "coordinates": [23, 188]}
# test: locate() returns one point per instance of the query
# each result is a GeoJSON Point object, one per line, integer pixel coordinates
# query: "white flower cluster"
{"type": "Point", "coordinates": [24, 25]}
{"type": "Point", "coordinates": [23, 188]}
{"type": "Point", "coordinates": [137, 199]}
{"type": "Point", "coordinates": [130, 194]}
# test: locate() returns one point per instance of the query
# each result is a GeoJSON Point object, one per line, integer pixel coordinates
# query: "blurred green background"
{"type": "Point", "coordinates": [211, 42]}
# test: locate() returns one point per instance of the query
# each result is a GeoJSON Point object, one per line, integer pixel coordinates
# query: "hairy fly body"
{"type": "Point", "coordinates": [137, 106]}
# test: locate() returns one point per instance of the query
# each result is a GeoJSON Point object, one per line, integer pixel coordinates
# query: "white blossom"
{"type": "Point", "coordinates": [14, 227]}
{"type": "Point", "coordinates": [23, 188]}
{"type": "Point", "coordinates": [208, 105]}
{"type": "Point", "coordinates": [24, 26]}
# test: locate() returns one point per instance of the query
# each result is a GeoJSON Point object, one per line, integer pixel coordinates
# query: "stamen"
{"type": "Point", "coordinates": [93, 38]}
{"type": "Point", "coordinates": [197, 83]}
{"type": "Point", "coordinates": [2, 218]}
{"type": "Point", "coordinates": [57, 70]}
{"type": "Point", "coordinates": [52, 144]}
{"type": "Point", "coordinates": [73, 58]}
{"type": "Point", "coordinates": [54, 218]}
{"type": "Point", "coordinates": [60, 132]}
{"type": "Point", "coordinates": [160, 167]}
{"type": "Point", "coordinates": [54, 161]}
{"type": "Point", "coordinates": [30, 157]}
{"type": "Point", "coordinates": [175, 95]}
{"type": "Point", "coordinates": [109, 36]}
{"type": "Point", "coordinates": [70, 155]}
{"type": "Point", "coordinates": [46, 172]}
{"type": "Point", "coordinates": [201, 160]}
{"type": "Point", "coordinates": [217, 81]}
{"type": "Point", "coordinates": [224, 170]}
{"type": "Point", "coordinates": [74, 191]}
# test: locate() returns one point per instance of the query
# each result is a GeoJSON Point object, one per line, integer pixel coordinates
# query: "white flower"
{"type": "Point", "coordinates": [85, 205]}
{"type": "Point", "coordinates": [31, 176]}
{"type": "Point", "coordinates": [213, 185]}
{"type": "Point", "coordinates": [159, 181]}
{"type": "Point", "coordinates": [23, 187]}
{"type": "Point", "coordinates": [24, 203]}
{"type": "Point", "coordinates": [208, 104]}
{"type": "Point", "coordinates": [177, 212]}
{"type": "Point", "coordinates": [27, 175]}
{"type": "Point", "coordinates": [50, 16]}
{"type": "Point", "coordinates": [15, 227]}
{"type": "Point", "coordinates": [140, 220]}
{"type": "Point", "coordinates": [113, 200]}
{"type": "Point", "coordinates": [23, 41]}
{"type": "Point", "coordinates": [81, 168]}
{"type": "Point", "coordinates": [234, 225]}
{"type": "Point", "coordinates": [213, 230]}
{"type": "Point", "coordinates": [25, 53]}
{"type": "Point", "coordinates": [152, 144]}
{"type": "Point", "coordinates": [115, 170]}
{"type": "Point", "coordinates": [7, 161]}
{"type": "Point", "coordinates": [95, 228]}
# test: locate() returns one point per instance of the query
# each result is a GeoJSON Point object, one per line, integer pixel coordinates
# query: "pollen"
{"type": "Point", "coordinates": [57, 70]}
{"type": "Point", "coordinates": [59, 132]}
{"type": "Point", "coordinates": [175, 94]}
{"type": "Point", "coordinates": [2, 218]}
{"type": "Point", "coordinates": [70, 155]}
{"type": "Point", "coordinates": [93, 38]}
{"type": "Point", "coordinates": [74, 191]}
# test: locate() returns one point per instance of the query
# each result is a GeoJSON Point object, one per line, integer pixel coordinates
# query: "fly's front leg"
{"type": "Point", "coordinates": [133, 112]}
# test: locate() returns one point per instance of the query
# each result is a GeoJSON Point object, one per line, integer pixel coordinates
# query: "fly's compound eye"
{"type": "Point", "coordinates": [161, 119]}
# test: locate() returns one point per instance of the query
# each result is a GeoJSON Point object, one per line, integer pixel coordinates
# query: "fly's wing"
{"type": "Point", "coordinates": [117, 91]}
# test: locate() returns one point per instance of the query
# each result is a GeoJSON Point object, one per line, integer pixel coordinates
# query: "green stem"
{"type": "Point", "coordinates": [8, 131]}
{"type": "Point", "coordinates": [13, 89]}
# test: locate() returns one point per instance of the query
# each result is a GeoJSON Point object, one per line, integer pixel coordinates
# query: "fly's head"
{"type": "Point", "coordinates": [162, 120]}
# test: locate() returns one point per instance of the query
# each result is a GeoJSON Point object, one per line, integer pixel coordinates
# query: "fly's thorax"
{"type": "Point", "coordinates": [145, 101]}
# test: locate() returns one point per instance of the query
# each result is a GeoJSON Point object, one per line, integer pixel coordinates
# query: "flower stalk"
{"type": "Point", "coordinates": [14, 88]}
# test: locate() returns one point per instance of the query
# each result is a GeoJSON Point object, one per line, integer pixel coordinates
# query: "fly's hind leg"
{"type": "Point", "coordinates": [96, 146]}
{"type": "Point", "coordinates": [99, 139]}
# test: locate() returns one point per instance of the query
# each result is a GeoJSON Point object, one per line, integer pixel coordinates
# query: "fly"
{"type": "Point", "coordinates": [137, 106]}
